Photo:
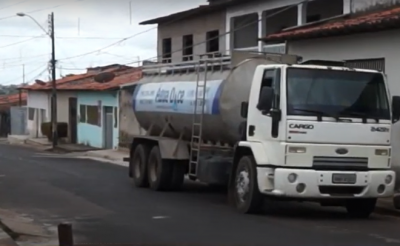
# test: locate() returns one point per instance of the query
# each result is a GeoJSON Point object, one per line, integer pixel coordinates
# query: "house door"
{"type": "Point", "coordinates": [73, 119]}
{"type": "Point", "coordinates": [108, 127]}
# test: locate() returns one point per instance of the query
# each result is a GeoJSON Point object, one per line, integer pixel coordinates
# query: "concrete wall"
{"type": "Point", "coordinates": [93, 135]}
{"type": "Point", "coordinates": [129, 125]}
{"type": "Point", "coordinates": [37, 100]}
{"type": "Point", "coordinates": [363, 46]}
{"type": "Point", "coordinates": [63, 105]}
{"type": "Point", "coordinates": [198, 26]}
{"type": "Point", "coordinates": [364, 5]}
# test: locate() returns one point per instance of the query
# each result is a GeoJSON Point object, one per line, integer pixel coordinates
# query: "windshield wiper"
{"type": "Point", "coordinates": [319, 114]}
{"type": "Point", "coordinates": [363, 116]}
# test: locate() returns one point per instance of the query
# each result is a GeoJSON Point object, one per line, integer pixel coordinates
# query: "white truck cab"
{"type": "Point", "coordinates": [316, 133]}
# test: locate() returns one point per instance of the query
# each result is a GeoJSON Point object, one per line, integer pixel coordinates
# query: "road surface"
{"type": "Point", "coordinates": [104, 207]}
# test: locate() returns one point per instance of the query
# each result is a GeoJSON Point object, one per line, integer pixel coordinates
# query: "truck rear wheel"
{"type": "Point", "coordinates": [159, 171]}
{"type": "Point", "coordinates": [247, 196]}
{"type": "Point", "coordinates": [360, 208]}
{"type": "Point", "coordinates": [138, 166]}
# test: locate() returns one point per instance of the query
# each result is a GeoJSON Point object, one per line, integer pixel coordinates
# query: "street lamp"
{"type": "Point", "coordinates": [53, 61]}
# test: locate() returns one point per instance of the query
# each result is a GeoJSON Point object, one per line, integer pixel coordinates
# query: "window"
{"type": "Point", "coordinates": [187, 49]}
{"type": "Point", "coordinates": [166, 50]}
{"type": "Point", "coordinates": [313, 18]}
{"type": "Point", "coordinates": [31, 113]}
{"type": "Point", "coordinates": [269, 80]}
{"type": "Point", "coordinates": [339, 93]}
{"type": "Point", "coordinates": [212, 38]}
{"type": "Point", "coordinates": [92, 113]}
{"type": "Point", "coordinates": [82, 113]}
{"type": "Point", "coordinates": [245, 32]}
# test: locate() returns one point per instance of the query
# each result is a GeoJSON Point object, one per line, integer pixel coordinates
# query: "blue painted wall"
{"type": "Point", "coordinates": [94, 135]}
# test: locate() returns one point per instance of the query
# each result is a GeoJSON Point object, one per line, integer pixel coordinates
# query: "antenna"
{"type": "Point", "coordinates": [23, 74]}
{"type": "Point", "coordinates": [60, 71]}
{"type": "Point", "coordinates": [130, 12]}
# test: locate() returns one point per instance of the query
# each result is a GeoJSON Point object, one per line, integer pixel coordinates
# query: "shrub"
{"type": "Point", "coordinates": [47, 130]}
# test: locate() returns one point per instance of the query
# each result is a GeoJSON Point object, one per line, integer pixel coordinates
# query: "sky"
{"type": "Point", "coordinates": [89, 33]}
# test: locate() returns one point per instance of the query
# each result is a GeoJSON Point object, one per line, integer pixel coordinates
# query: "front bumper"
{"type": "Point", "coordinates": [318, 184]}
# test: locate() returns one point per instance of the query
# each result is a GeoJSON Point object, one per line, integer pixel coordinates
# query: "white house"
{"type": "Point", "coordinates": [252, 19]}
{"type": "Point", "coordinates": [368, 40]}
{"type": "Point", "coordinates": [38, 104]}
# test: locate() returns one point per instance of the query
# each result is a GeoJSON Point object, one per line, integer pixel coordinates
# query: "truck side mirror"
{"type": "Point", "coordinates": [395, 108]}
{"type": "Point", "coordinates": [265, 100]}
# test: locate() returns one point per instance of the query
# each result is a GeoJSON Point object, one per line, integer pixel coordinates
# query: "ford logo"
{"type": "Point", "coordinates": [342, 151]}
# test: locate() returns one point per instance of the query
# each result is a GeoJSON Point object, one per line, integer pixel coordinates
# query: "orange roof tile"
{"type": "Point", "coordinates": [367, 22]}
{"type": "Point", "coordinates": [81, 81]}
{"type": "Point", "coordinates": [12, 98]}
{"type": "Point", "coordinates": [91, 85]}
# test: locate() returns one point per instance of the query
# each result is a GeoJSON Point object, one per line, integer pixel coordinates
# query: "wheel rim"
{"type": "Point", "coordinates": [153, 169]}
{"type": "Point", "coordinates": [138, 167]}
{"type": "Point", "coordinates": [243, 185]}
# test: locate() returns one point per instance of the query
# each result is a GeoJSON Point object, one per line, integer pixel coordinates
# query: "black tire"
{"type": "Point", "coordinates": [159, 171]}
{"type": "Point", "coordinates": [178, 175]}
{"type": "Point", "coordinates": [360, 208]}
{"type": "Point", "coordinates": [252, 202]}
{"type": "Point", "coordinates": [138, 165]}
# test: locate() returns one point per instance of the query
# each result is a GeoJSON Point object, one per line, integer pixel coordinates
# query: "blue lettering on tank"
{"type": "Point", "coordinates": [176, 97]}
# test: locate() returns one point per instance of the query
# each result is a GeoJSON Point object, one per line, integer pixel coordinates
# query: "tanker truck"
{"type": "Point", "coordinates": [266, 127]}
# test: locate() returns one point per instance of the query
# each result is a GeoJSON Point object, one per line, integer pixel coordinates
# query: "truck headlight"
{"type": "Point", "coordinates": [388, 179]}
{"type": "Point", "coordinates": [297, 150]}
{"type": "Point", "coordinates": [382, 152]}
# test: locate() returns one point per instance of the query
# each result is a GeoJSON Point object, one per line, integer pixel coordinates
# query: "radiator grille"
{"type": "Point", "coordinates": [340, 163]}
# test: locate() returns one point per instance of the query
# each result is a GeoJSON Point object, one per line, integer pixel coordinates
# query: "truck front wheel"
{"type": "Point", "coordinates": [360, 208]}
{"type": "Point", "coordinates": [247, 196]}
{"type": "Point", "coordinates": [159, 171]}
{"type": "Point", "coordinates": [138, 165]}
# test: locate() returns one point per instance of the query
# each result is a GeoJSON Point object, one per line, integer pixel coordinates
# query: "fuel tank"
{"type": "Point", "coordinates": [169, 98]}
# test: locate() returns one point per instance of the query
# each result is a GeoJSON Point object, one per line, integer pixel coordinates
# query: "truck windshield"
{"type": "Point", "coordinates": [336, 93]}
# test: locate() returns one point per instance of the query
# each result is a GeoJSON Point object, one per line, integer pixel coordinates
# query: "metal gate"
{"type": "Point", "coordinates": [18, 120]}
{"type": "Point", "coordinates": [374, 64]}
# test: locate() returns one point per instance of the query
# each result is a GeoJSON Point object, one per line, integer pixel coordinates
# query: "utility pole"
{"type": "Point", "coordinates": [53, 82]}
{"type": "Point", "coordinates": [23, 74]}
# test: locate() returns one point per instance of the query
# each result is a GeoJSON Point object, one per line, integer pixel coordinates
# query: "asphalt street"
{"type": "Point", "coordinates": [104, 207]}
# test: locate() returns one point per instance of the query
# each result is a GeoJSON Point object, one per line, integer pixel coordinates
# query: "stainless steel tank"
{"type": "Point", "coordinates": [228, 88]}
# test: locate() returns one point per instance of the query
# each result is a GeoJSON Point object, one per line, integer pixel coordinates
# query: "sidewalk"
{"type": "Point", "coordinates": [108, 155]}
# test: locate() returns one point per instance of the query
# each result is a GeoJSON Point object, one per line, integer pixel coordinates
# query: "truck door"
{"type": "Point", "coordinates": [261, 126]}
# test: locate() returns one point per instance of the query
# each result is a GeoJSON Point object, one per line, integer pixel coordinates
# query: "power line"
{"type": "Point", "coordinates": [26, 36]}
{"type": "Point", "coordinates": [20, 77]}
{"type": "Point", "coordinates": [23, 57]}
{"type": "Point", "coordinates": [38, 10]}
{"type": "Point", "coordinates": [14, 65]}
{"type": "Point", "coordinates": [19, 42]}
{"type": "Point", "coordinates": [126, 38]}
{"type": "Point", "coordinates": [11, 5]}
{"type": "Point", "coordinates": [207, 40]}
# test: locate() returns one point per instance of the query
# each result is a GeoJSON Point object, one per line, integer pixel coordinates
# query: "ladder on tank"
{"type": "Point", "coordinates": [197, 122]}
